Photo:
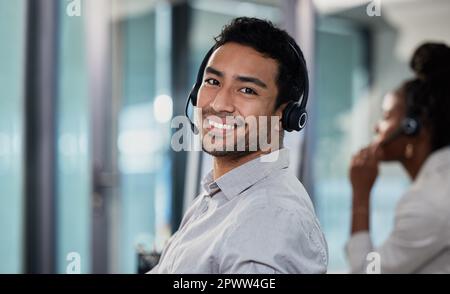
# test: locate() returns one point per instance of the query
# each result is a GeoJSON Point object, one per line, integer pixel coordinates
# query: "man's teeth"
{"type": "Point", "coordinates": [220, 126]}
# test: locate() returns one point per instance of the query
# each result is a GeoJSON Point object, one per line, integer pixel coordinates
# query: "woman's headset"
{"type": "Point", "coordinates": [410, 125]}
{"type": "Point", "coordinates": [294, 115]}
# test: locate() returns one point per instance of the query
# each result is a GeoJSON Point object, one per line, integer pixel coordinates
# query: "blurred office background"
{"type": "Point", "coordinates": [88, 90]}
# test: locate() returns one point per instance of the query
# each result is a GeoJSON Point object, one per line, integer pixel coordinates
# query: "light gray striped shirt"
{"type": "Point", "coordinates": [257, 219]}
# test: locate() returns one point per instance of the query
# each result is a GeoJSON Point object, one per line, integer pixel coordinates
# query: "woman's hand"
{"type": "Point", "coordinates": [364, 170]}
{"type": "Point", "coordinates": [363, 173]}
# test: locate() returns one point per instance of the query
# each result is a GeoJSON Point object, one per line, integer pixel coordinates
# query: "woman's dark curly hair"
{"type": "Point", "coordinates": [272, 42]}
{"type": "Point", "coordinates": [427, 95]}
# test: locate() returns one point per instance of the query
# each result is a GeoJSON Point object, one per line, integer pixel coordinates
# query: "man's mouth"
{"type": "Point", "coordinates": [218, 125]}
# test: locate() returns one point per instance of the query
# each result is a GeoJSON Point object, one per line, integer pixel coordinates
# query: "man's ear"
{"type": "Point", "coordinates": [279, 113]}
{"type": "Point", "coordinates": [280, 109]}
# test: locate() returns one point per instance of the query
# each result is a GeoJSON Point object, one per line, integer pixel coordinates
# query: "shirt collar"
{"type": "Point", "coordinates": [437, 160]}
{"type": "Point", "coordinates": [244, 176]}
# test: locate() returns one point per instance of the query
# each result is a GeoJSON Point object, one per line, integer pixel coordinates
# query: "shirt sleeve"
{"type": "Point", "coordinates": [357, 249]}
{"type": "Point", "coordinates": [416, 238]}
{"type": "Point", "coordinates": [189, 213]}
{"type": "Point", "coordinates": [274, 240]}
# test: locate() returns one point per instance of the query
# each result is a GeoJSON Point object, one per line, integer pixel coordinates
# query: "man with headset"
{"type": "Point", "coordinates": [254, 216]}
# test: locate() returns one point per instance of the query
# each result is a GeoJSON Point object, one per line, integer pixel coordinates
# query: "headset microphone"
{"type": "Point", "coordinates": [193, 126]}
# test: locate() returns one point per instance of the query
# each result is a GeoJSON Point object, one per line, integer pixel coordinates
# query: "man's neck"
{"type": "Point", "coordinates": [224, 164]}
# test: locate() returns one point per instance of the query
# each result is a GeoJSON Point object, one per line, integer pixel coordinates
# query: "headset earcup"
{"type": "Point", "coordinates": [294, 117]}
{"type": "Point", "coordinates": [285, 117]}
{"type": "Point", "coordinates": [410, 126]}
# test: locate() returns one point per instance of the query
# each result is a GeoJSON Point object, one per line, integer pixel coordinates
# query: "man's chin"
{"type": "Point", "coordinates": [225, 153]}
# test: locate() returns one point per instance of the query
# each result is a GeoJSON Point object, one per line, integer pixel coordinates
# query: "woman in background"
{"type": "Point", "coordinates": [415, 131]}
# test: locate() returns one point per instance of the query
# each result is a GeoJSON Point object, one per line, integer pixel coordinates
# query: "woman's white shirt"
{"type": "Point", "coordinates": [420, 239]}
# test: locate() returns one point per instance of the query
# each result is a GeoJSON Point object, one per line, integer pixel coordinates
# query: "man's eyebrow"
{"type": "Point", "coordinates": [253, 80]}
{"type": "Point", "coordinates": [246, 79]}
{"type": "Point", "coordinates": [213, 71]}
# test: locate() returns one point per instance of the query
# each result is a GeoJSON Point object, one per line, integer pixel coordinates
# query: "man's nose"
{"type": "Point", "coordinates": [223, 101]}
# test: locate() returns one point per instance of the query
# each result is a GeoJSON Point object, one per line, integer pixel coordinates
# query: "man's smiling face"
{"type": "Point", "coordinates": [238, 82]}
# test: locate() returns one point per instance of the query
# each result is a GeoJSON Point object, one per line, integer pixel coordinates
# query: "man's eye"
{"type": "Point", "coordinates": [212, 82]}
{"type": "Point", "coordinates": [249, 91]}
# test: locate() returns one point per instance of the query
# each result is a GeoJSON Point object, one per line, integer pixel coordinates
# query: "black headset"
{"type": "Point", "coordinates": [294, 115]}
{"type": "Point", "coordinates": [411, 123]}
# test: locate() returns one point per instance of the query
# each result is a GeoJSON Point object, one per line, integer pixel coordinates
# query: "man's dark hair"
{"type": "Point", "coordinates": [272, 42]}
